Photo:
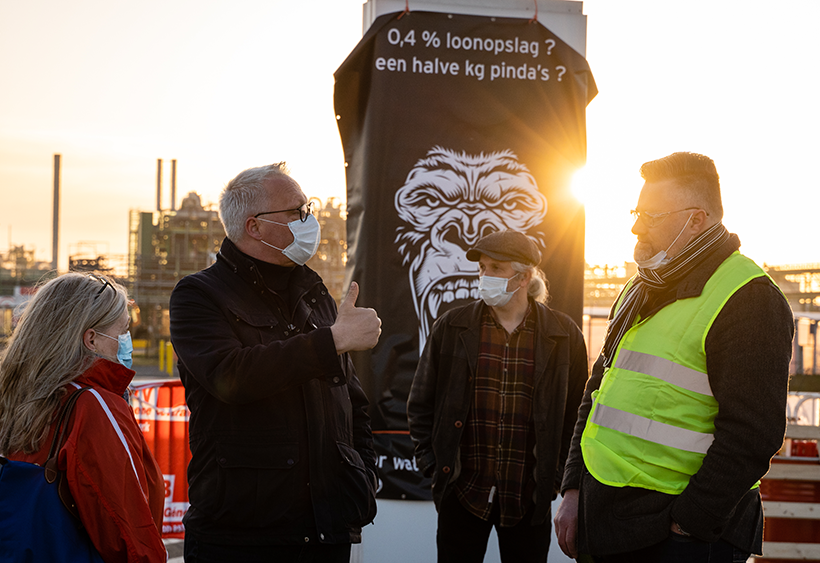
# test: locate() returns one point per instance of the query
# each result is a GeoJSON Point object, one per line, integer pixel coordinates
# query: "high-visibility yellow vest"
{"type": "Point", "coordinates": [652, 419]}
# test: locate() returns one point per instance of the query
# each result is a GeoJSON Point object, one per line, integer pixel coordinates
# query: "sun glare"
{"type": "Point", "coordinates": [581, 187]}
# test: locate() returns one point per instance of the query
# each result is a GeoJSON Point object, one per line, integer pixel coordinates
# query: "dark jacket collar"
{"type": "Point", "coordinates": [547, 324]}
{"type": "Point", "coordinates": [548, 330]}
{"type": "Point", "coordinates": [302, 277]}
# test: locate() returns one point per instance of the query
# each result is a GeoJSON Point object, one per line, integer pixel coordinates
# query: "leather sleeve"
{"type": "Point", "coordinates": [578, 376]}
{"type": "Point", "coordinates": [362, 435]}
{"type": "Point", "coordinates": [421, 402]}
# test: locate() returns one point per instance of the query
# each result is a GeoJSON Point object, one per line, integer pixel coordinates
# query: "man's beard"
{"type": "Point", "coordinates": [643, 251]}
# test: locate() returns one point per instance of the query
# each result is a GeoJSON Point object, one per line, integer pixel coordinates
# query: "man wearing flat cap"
{"type": "Point", "coordinates": [493, 404]}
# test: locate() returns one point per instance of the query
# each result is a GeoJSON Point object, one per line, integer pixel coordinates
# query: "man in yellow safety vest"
{"type": "Point", "coordinates": [686, 404]}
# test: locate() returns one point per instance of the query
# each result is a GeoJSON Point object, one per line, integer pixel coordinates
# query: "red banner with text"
{"type": "Point", "coordinates": [160, 409]}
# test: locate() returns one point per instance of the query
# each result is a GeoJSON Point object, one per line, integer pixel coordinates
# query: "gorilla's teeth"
{"type": "Point", "coordinates": [435, 303]}
{"type": "Point", "coordinates": [463, 294]}
{"type": "Point", "coordinates": [474, 293]}
{"type": "Point", "coordinates": [449, 296]}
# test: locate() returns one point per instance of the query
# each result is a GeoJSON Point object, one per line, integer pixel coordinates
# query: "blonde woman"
{"type": "Point", "coordinates": [73, 334]}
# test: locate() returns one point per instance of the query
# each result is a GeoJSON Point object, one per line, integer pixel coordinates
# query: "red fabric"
{"type": "Point", "coordinates": [119, 497]}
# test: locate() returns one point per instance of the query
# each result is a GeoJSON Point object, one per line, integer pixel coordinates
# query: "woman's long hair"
{"type": "Point", "coordinates": [46, 352]}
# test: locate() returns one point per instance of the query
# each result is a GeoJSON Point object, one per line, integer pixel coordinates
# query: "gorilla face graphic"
{"type": "Point", "coordinates": [448, 202]}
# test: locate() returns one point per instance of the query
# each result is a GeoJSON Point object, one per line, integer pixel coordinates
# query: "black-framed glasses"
{"type": "Point", "coordinates": [304, 210]}
{"type": "Point", "coordinates": [105, 283]}
{"type": "Point", "coordinates": [654, 219]}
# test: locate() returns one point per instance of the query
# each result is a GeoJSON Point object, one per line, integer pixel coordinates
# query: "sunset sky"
{"type": "Point", "coordinates": [224, 85]}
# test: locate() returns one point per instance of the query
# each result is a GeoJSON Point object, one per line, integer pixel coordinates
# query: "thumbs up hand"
{"type": "Point", "coordinates": [355, 328]}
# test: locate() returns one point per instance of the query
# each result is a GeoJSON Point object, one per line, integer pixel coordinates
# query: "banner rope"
{"type": "Point", "coordinates": [535, 17]}
{"type": "Point", "coordinates": [406, 9]}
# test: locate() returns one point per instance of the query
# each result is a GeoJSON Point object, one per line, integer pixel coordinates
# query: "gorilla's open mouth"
{"type": "Point", "coordinates": [450, 291]}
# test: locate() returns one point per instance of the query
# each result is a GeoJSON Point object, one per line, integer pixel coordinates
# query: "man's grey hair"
{"type": "Point", "coordinates": [244, 196]}
{"type": "Point", "coordinates": [538, 287]}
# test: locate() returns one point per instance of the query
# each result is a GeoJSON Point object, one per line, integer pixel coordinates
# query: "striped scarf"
{"type": "Point", "coordinates": [659, 278]}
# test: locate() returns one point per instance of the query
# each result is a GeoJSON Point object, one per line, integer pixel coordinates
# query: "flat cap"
{"type": "Point", "coordinates": [506, 246]}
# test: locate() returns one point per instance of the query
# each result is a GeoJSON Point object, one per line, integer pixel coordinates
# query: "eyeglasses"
{"type": "Point", "coordinates": [304, 210]}
{"type": "Point", "coordinates": [105, 283]}
{"type": "Point", "coordinates": [654, 219]}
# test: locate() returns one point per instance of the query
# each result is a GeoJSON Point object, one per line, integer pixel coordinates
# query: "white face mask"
{"type": "Point", "coordinates": [306, 237]}
{"type": "Point", "coordinates": [493, 291]}
{"type": "Point", "coordinates": [661, 258]}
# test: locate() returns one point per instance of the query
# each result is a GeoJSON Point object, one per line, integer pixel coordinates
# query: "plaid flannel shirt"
{"type": "Point", "coordinates": [497, 459]}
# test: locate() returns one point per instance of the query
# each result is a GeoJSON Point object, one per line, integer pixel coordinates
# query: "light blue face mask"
{"type": "Point", "coordinates": [124, 348]}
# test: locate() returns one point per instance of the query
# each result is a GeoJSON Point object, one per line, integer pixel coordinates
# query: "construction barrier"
{"type": "Point", "coordinates": [167, 357]}
{"type": "Point", "coordinates": [791, 489]}
{"type": "Point", "coordinates": [160, 409]}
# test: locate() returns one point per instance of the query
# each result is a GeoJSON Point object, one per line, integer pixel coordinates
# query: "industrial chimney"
{"type": "Point", "coordinates": [159, 184]}
{"type": "Point", "coordinates": [55, 229]}
{"type": "Point", "coordinates": [173, 184]}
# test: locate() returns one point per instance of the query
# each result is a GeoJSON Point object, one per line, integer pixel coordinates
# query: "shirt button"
{"type": "Point", "coordinates": [307, 539]}
{"type": "Point", "coordinates": [445, 469]}
{"type": "Point", "coordinates": [321, 536]}
{"type": "Point", "coordinates": [459, 424]}
{"type": "Point", "coordinates": [290, 462]}
{"type": "Point", "coordinates": [335, 380]}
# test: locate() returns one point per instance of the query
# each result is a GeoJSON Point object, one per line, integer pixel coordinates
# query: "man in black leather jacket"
{"type": "Point", "coordinates": [492, 407]}
{"type": "Point", "coordinates": [282, 463]}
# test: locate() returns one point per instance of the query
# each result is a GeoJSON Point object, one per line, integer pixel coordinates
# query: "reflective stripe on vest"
{"type": "Point", "coordinates": [652, 430]}
{"type": "Point", "coordinates": [652, 419]}
{"type": "Point", "coordinates": [666, 370]}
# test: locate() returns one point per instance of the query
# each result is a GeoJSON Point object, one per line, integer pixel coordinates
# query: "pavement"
{"type": "Point", "coordinates": [174, 548]}
{"type": "Point", "coordinates": [148, 368]}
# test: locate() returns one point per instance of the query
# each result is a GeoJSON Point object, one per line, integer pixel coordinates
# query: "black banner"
{"type": "Point", "coordinates": [453, 126]}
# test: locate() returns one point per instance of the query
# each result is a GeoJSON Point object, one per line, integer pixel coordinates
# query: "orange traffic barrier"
{"type": "Point", "coordinates": [160, 409]}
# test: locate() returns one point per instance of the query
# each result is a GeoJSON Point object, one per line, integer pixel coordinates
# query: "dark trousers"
{"type": "Point", "coordinates": [197, 551]}
{"type": "Point", "coordinates": [679, 549]}
{"type": "Point", "coordinates": [462, 537]}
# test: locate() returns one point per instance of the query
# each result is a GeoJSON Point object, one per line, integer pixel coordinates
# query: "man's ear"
{"type": "Point", "coordinates": [88, 339]}
{"type": "Point", "coordinates": [700, 221]}
{"type": "Point", "coordinates": [252, 228]}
